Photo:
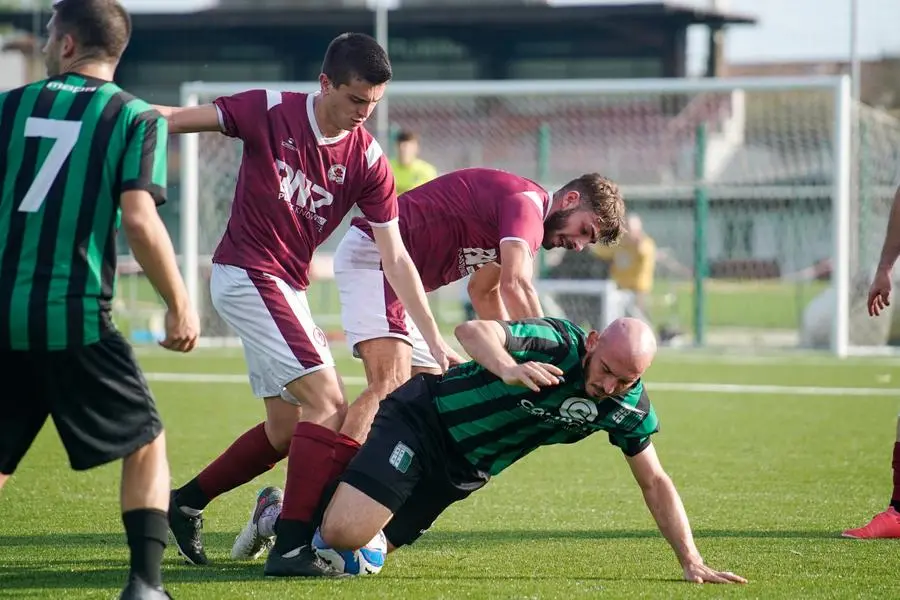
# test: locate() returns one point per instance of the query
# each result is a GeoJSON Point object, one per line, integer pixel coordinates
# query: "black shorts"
{"type": "Point", "coordinates": [98, 398]}
{"type": "Point", "coordinates": [409, 463]}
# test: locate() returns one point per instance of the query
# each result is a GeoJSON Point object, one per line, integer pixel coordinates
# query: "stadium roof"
{"type": "Point", "coordinates": [360, 19]}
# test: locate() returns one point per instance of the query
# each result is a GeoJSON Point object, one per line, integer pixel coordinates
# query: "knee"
{"type": "Point", "coordinates": [319, 393]}
{"type": "Point", "coordinates": [338, 534]}
{"type": "Point", "coordinates": [279, 432]}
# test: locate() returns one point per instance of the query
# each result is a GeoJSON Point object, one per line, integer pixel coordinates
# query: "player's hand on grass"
{"type": "Point", "coordinates": [879, 292]}
{"type": "Point", "coordinates": [182, 330]}
{"type": "Point", "coordinates": [533, 375]}
{"type": "Point", "coordinates": [700, 573]}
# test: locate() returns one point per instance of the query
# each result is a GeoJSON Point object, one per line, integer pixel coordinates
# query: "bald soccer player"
{"type": "Point", "coordinates": [531, 383]}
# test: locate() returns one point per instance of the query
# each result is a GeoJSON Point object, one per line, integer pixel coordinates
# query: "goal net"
{"type": "Point", "coordinates": [765, 199]}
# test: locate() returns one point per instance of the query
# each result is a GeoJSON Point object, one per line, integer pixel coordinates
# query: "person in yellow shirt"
{"type": "Point", "coordinates": [632, 262]}
{"type": "Point", "coordinates": [409, 170]}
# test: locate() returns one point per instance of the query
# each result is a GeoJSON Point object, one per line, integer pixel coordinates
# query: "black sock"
{"type": "Point", "coordinates": [147, 531]}
{"type": "Point", "coordinates": [291, 534]}
{"type": "Point", "coordinates": [896, 504]}
{"type": "Point", "coordinates": [191, 496]}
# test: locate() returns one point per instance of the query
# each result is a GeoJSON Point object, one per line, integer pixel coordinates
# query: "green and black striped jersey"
{"type": "Point", "coordinates": [495, 424]}
{"type": "Point", "coordinates": [69, 146]}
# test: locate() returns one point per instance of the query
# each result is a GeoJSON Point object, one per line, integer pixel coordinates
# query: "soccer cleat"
{"type": "Point", "coordinates": [299, 562]}
{"type": "Point", "coordinates": [138, 589]}
{"type": "Point", "coordinates": [884, 525]}
{"type": "Point", "coordinates": [250, 543]}
{"type": "Point", "coordinates": [186, 531]}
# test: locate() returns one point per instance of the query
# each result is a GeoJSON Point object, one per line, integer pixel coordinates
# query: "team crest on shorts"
{"type": "Point", "coordinates": [401, 457]}
{"type": "Point", "coordinates": [319, 336]}
{"type": "Point", "coordinates": [337, 173]}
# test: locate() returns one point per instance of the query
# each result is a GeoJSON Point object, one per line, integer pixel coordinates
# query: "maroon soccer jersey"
{"type": "Point", "coordinates": [295, 185]}
{"type": "Point", "coordinates": [453, 225]}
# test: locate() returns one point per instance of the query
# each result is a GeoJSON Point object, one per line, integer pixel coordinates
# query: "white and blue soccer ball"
{"type": "Point", "coordinates": [368, 560]}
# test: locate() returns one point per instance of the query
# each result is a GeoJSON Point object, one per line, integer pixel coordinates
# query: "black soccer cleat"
{"type": "Point", "coordinates": [300, 562]}
{"type": "Point", "coordinates": [138, 589]}
{"type": "Point", "coordinates": [186, 532]}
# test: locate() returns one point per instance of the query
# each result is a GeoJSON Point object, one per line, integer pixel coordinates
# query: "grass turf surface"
{"type": "Point", "coordinates": [768, 479]}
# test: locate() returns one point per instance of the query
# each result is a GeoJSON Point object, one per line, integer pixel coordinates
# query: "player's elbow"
{"type": "Point", "coordinates": [465, 332]}
{"type": "Point", "coordinates": [480, 295]}
{"type": "Point", "coordinates": [516, 289]}
{"type": "Point", "coordinates": [139, 216]}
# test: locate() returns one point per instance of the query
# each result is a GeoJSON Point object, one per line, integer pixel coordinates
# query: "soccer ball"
{"type": "Point", "coordinates": [368, 560]}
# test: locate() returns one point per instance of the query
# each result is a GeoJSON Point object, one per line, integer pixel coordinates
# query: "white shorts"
{"type": "Point", "coordinates": [369, 307]}
{"type": "Point", "coordinates": [281, 341]}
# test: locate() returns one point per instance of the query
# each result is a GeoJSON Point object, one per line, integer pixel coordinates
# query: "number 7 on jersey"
{"type": "Point", "coordinates": [65, 135]}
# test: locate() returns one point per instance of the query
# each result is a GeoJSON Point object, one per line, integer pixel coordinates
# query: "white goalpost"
{"type": "Point", "coordinates": [744, 184]}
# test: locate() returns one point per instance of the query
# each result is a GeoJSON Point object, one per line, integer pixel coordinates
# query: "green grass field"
{"type": "Point", "coordinates": [769, 476]}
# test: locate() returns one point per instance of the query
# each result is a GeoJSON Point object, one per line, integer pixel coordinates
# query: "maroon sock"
{"type": "Point", "coordinates": [308, 471]}
{"type": "Point", "coordinates": [345, 448]}
{"type": "Point", "coordinates": [250, 455]}
{"type": "Point", "coordinates": [895, 463]}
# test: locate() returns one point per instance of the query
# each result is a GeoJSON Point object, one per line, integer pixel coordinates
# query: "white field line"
{"type": "Point", "coordinates": [696, 388]}
{"type": "Point", "coordinates": [667, 355]}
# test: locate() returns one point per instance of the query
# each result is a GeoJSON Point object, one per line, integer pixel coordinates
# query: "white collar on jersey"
{"type": "Point", "coordinates": [539, 202]}
{"type": "Point", "coordinates": [311, 115]}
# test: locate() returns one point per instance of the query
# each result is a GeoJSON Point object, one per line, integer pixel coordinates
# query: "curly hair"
{"type": "Point", "coordinates": [602, 196]}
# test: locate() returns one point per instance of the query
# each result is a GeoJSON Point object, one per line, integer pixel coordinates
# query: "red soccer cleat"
{"type": "Point", "coordinates": [884, 525]}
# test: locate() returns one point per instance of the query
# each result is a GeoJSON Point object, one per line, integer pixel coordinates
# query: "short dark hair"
{"type": "Point", "coordinates": [602, 196]}
{"type": "Point", "coordinates": [102, 28]}
{"type": "Point", "coordinates": [406, 135]}
{"type": "Point", "coordinates": [356, 55]}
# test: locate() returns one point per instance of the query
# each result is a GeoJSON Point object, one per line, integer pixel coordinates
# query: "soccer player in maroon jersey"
{"type": "Point", "coordinates": [486, 223]}
{"type": "Point", "coordinates": [306, 162]}
{"type": "Point", "coordinates": [885, 524]}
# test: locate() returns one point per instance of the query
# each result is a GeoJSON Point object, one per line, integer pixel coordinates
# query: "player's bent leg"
{"type": "Point", "coordinates": [145, 501]}
{"type": "Point", "coordinates": [387, 362]}
{"type": "Point", "coordinates": [281, 343]}
{"type": "Point", "coordinates": [21, 419]}
{"type": "Point", "coordinates": [352, 518]}
{"type": "Point", "coordinates": [321, 397]}
{"type": "Point", "coordinates": [253, 540]}
{"type": "Point", "coordinates": [103, 410]}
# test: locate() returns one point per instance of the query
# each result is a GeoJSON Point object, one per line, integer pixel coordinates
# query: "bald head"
{"type": "Point", "coordinates": [629, 344]}
{"type": "Point", "coordinates": [635, 226]}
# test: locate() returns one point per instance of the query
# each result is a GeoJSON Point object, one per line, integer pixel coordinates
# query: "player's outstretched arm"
{"type": "Point", "coordinates": [191, 119]}
{"type": "Point", "coordinates": [880, 291]}
{"type": "Point", "coordinates": [152, 248]}
{"type": "Point", "coordinates": [484, 292]}
{"type": "Point", "coordinates": [486, 342]}
{"type": "Point", "coordinates": [401, 273]}
{"type": "Point", "coordinates": [667, 509]}
{"type": "Point", "coordinates": [516, 288]}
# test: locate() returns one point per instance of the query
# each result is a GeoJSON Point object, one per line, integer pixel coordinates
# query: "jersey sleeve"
{"type": "Point", "coordinates": [539, 339]}
{"type": "Point", "coordinates": [633, 427]}
{"type": "Point", "coordinates": [145, 163]}
{"type": "Point", "coordinates": [241, 115]}
{"type": "Point", "coordinates": [521, 218]}
{"type": "Point", "coordinates": [378, 200]}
